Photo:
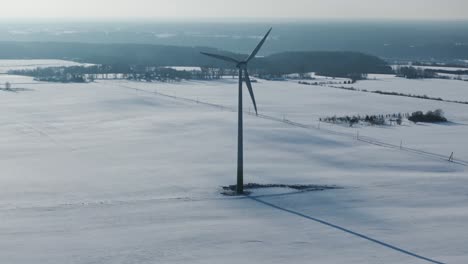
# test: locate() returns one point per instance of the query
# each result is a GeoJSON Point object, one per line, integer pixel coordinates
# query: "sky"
{"type": "Point", "coordinates": [216, 9]}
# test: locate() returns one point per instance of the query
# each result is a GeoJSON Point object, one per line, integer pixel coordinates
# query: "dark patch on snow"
{"type": "Point", "coordinates": [231, 189]}
{"type": "Point", "coordinates": [229, 192]}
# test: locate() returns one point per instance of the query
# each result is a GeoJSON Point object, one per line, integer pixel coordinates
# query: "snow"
{"type": "Point", "coordinates": [181, 68]}
{"type": "Point", "coordinates": [319, 79]}
{"type": "Point", "coordinates": [7, 65]}
{"type": "Point", "coordinates": [307, 103]}
{"type": "Point", "coordinates": [463, 77]}
{"type": "Point", "coordinates": [433, 67]}
{"type": "Point", "coordinates": [444, 88]}
{"type": "Point", "coordinates": [449, 75]}
{"type": "Point", "coordinates": [104, 173]}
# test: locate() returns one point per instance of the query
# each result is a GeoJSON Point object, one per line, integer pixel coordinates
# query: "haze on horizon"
{"type": "Point", "coordinates": [216, 9]}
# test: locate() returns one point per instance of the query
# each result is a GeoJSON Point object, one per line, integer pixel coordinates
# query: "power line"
{"type": "Point", "coordinates": [361, 138]}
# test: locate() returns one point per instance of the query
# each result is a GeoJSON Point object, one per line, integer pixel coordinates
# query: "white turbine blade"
{"type": "Point", "coordinates": [249, 85]}
{"type": "Point", "coordinates": [259, 46]}
{"type": "Point", "coordinates": [220, 57]}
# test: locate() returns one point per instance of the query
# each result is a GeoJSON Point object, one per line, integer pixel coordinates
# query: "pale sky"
{"type": "Point", "coordinates": [208, 9]}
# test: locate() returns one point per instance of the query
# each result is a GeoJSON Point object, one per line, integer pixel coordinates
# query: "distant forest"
{"type": "Point", "coordinates": [395, 41]}
{"type": "Point", "coordinates": [337, 64]}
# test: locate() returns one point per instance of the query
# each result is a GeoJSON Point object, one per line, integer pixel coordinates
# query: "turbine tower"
{"type": "Point", "coordinates": [243, 73]}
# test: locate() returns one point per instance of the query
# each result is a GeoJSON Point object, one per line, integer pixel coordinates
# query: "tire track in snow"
{"type": "Point", "coordinates": [46, 135]}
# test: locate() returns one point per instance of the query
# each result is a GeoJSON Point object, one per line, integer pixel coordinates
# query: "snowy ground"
{"type": "Point", "coordinates": [456, 90]}
{"type": "Point", "coordinates": [452, 75]}
{"type": "Point", "coordinates": [7, 65]}
{"type": "Point", "coordinates": [306, 104]}
{"type": "Point", "coordinates": [433, 67]}
{"type": "Point", "coordinates": [102, 173]}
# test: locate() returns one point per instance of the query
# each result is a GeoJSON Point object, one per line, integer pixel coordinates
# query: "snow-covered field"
{"type": "Point", "coordinates": [446, 89]}
{"type": "Point", "coordinates": [433, 67]}
{"type": "Point", "coordinates": [452, 75]}
{"type": "Point", "coordinates": [179, 68]}
{"type": "Point", "coordinates": [104, 173]}
{"type": "Point", "coordinates": [306, 104]}
{"type": "Point", "coordinates": [7, 65]}
{"type": "Point", "coordinates": [461, 77]}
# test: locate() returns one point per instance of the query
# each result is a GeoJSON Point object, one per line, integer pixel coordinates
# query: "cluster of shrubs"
{"type": "Point", "coordinates": [436, 116]}
{"type": "Point", "coordinates": [326, 82]}
{"type": "Point", "coordinates": [407, 95]}
{"type": "Point", "coordinates": [414, 73]}
{"type": "Point", "coordinates": [417, 96]}
{"type": "Point", "coordinates": [341, 120]}
{"type": "Point", "coordinates": [374, 120]}
{"type": "Point", "coordinates": [388, 119]}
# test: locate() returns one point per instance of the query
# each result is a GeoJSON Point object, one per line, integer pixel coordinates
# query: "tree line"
{"type": "Point", "coordinates": [435, 116]}
{"type": "Point", "coordinates": [79, 74]}
{"type": "Point", "coordinates": [330, 63]}
{"type": "Point", "coordinates": [373, 120]}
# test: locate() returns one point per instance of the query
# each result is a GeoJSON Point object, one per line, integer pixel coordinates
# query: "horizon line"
{"type": "Point", "coordinates": [227, 20]}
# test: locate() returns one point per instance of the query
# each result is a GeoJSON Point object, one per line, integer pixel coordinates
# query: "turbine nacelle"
{"type": "Point", "coordinates": [242, 66]}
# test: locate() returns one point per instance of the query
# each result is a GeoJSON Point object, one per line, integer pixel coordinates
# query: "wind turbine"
{"type": "Point", "coordinates": [242, 66]}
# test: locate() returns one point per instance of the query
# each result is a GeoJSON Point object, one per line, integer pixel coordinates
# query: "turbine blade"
{"type": "Point", "coordinates": [249, 85]}
{"type": "Point", "coordinates": [220, 57]}
{"type": "Point", "coordinates": [259, 46]}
